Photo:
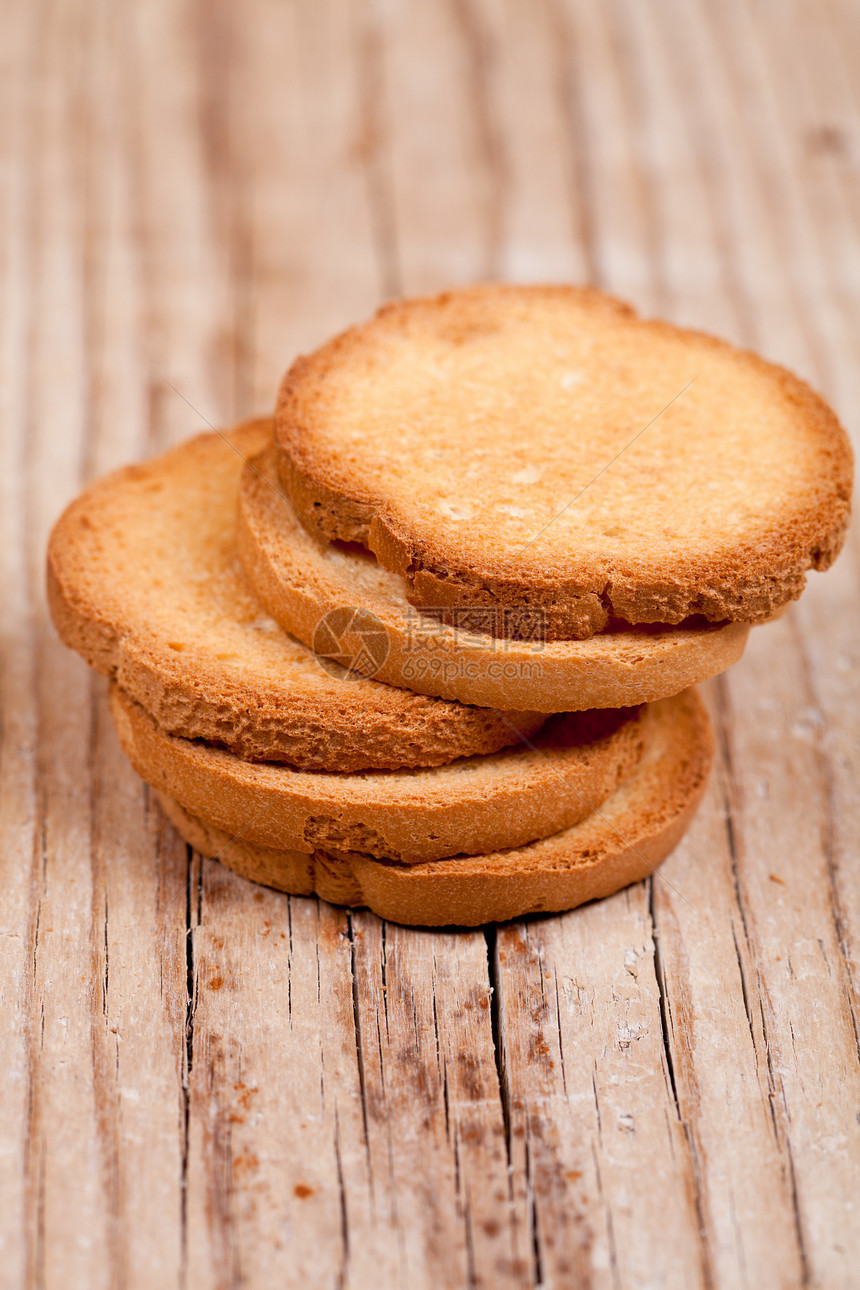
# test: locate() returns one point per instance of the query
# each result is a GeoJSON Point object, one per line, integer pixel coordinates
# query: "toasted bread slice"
{"type": "Point", "coordinates": [472, 805]}
{"type": "Point", "coordinates": [543, 449]}
{"type": "Point", "coordinates": [307, 584]}
{"type": "Point", "coordinates": [144, 581]}
{"type": "Point", "coordinates": [622, 842]}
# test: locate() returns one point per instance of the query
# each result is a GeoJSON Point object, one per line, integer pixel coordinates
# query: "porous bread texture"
{"type": "Point", "coordinates": [301, 578]}
{"type": "Point", "coordinates": [472, 805]}
{"type": "Point", "coordinates": [634, 830]}
{"type": "Point", "coordinates": [490, 446]}
{"type": "Point", "coordinates": [144, 581]}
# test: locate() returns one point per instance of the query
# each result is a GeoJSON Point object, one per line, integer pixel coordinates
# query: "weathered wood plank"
{"type": "Point", "coordinates": [435, 1129]}
{"type": "Point", "coordinates": [305, 206]}
{"type": "Point", "coordinates": [62, 1138]}
{"type": "Point", "coordinates": [19, 804]}
{"type": "Point", "coordinates": [592, 1110]}
{"type": "Point", "coordinates": [264, 1195]}
{"type": "Point", "coordinates": [776, 262]}
{"type": "Point", "coordinates": [740, 1219]}
{"type": "Point", "coordinates": [189, 318]}
{"type": "Point", "coordinates": [337, 1137]}
{"type": "Point", "coordinates": [192, 197]}
{"type": "Point", "coordinates": [104, 1064]}
{"type": "Point", "coordinates": [749, 1223]}
{"type": "Point", "coordinates": [374, 1147]}
{"type": "Point", "coordinates": [718, 1051]}
{"type": "Point", "coordinates": [139, 974]}
{"type": "Point", "coordinates": [560, 1157]}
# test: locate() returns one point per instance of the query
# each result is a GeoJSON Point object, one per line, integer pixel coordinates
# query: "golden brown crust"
{"type": "Point", "coordinates": [419, 432]}
{"type": "Point", "coordinates": [144, 582]}
{"type": "Point", "coordinates": [473, 805]}
{"type": "Point", "coordinates": [301, 579]}
{"type": "Point", "coordinates": [633, 832]}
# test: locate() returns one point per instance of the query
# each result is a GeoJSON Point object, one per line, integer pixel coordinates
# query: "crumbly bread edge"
{"type": "Point", "coordinates": [340, 507]}
{"type": "Point", "coordinates": [609, 670]}
{"type": "Point", "coordinates": [593, 859]}
{"type": "Point", "coordinates": [410, 817]}
{"type": "Point", "coordinates": [199, 704]}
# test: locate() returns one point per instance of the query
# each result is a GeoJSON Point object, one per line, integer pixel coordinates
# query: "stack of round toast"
{"type": "Point", "coordinates": [425, 641]}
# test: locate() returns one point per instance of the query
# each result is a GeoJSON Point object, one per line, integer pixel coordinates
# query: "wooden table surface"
{"type": "Point", "coordinates": [208, 1084]}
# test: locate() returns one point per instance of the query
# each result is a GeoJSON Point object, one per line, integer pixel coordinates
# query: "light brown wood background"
{"type": "Point", "coordinates": [206, 1084]}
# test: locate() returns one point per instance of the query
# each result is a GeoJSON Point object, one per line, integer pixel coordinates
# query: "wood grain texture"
{"type": "Point", "coordinates": [210, 1085]}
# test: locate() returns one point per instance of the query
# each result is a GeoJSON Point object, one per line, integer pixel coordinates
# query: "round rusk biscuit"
{"type": "Point", "coordinates": [340, 600]}
{"type": "Point", "coordinates": [544, 449]}
{"type": "Point", "coordinates": [472, 805]}
{"type": "Point", "coordinates": [144, 581]}
{"type": "Point", "coordinates": [622, 842]}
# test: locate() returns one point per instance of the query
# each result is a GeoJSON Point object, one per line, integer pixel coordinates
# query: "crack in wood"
{"type": "Point", "coordinates": [840, 922]}
{"type": "Point", "coordinates": [290, 959]}
{"type": "Point", "coordinates": [723, 715]}
{"type": "Point", "coordinates": [558, 1027]}
{"type": "Point", "coordinates": [491, 939]}
{"type": "Point", "coordinates": [744, 986]}
{"type": "Point", "coordinates": [106, 951]}
{"type": "Point", "coordinates": [663, 1002]}
{"type": "Point", "coordinates": [534, 1227]}
{"type": "Point", "coordinates": [359, 1054]}
{"type": "Point", "coordinates": [775, 1089]}
{"type": "Point", "coordinates": [796, 1204]}
{"type": "Point", "coordinates": [607, 1208]}
{"type": "Point", "coordinates": [667, 1031]}
{"type": "Point", "coordinates": [191, 993]}
{"type": "Point", "coordinates": [343, 1270]}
